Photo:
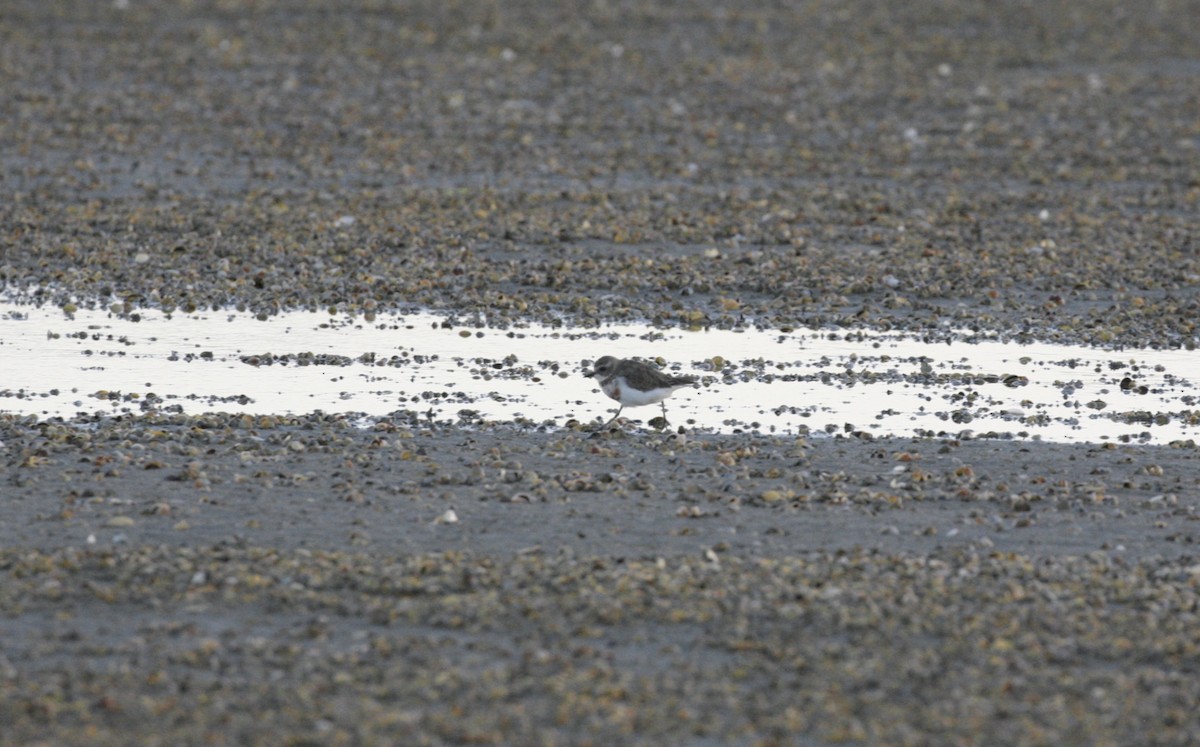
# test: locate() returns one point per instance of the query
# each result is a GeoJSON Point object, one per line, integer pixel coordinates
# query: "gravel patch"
{"type": "Point", "coordinates": [1024, 170]}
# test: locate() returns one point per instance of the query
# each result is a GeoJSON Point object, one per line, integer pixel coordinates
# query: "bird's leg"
{"type": "Point", "coordinates": [614, 417]}
{"type": "Point", "coordinates": [664, 408]}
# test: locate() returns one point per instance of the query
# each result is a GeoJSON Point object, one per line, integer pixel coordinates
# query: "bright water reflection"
{"type": "Point", "coordinates": [819, 381]}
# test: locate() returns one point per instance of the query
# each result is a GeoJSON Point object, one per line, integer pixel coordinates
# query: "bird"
{"type": "Point", "coordinates": [633, 383]}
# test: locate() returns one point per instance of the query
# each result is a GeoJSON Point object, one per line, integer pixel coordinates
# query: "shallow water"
{"type": "Point", "coordinates": [92, 361]}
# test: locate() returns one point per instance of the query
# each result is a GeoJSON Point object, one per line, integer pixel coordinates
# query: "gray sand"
{"type": "Point", "coordinates": [1024, 169]}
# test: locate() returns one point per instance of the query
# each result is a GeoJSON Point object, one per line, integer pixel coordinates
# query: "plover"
{"type": "Point", "coordinates": [633, 383]}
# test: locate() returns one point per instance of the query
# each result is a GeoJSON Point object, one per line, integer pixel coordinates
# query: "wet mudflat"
{"type": "Point", "coordinates": [225, 577]}
{"type": "Point", "coordinates": [500, 586]}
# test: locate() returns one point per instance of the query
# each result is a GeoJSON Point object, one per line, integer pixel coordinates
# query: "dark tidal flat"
{"type": "Point", "coordinates": [1024, 169]}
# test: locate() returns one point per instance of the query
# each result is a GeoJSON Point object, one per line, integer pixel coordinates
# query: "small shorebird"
{"type": "Point", "coordinates": [633, 383]}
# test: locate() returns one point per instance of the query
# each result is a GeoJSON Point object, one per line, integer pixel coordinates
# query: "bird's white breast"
{"type": "Point", "coordinates": [617, 389]}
